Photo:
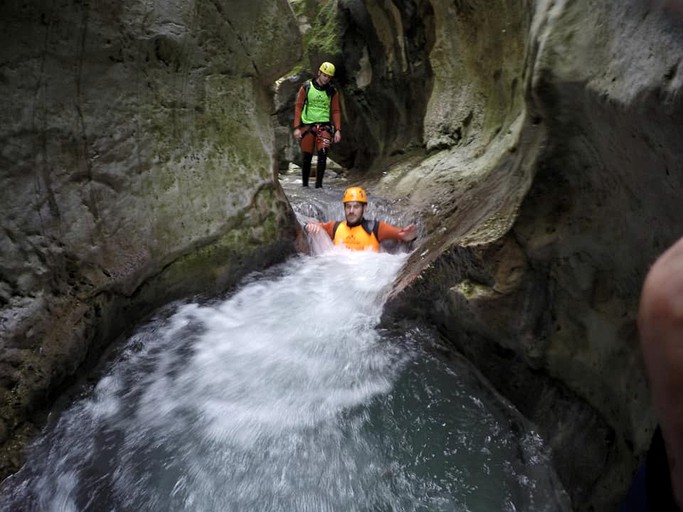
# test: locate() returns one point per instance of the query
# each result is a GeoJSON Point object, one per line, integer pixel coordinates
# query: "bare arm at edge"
{"type": "Point", "coordinates": [660, 322]}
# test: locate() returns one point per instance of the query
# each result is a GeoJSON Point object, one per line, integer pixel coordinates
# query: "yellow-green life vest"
{"type": "Point", "coordinates": [317, 106]}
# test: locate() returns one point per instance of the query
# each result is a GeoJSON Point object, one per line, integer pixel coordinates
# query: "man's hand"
{"type": "Point", "coordinates": [337, 136]}
{"type": "Point", "coordinates": [297, 133]}
{"type": "Point", "coordinates": [408, 233]}
{"type": "Point", "coordinates": [313, 227]}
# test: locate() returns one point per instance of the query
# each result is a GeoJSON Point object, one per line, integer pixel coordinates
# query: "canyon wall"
{"type": "Point", "coordinates": [547, 180]}
{"type": "Point", "coordinates": [136, 167]}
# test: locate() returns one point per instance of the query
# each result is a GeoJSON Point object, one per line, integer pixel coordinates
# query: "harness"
{"type": "Point", "coordinates": [323, 135]}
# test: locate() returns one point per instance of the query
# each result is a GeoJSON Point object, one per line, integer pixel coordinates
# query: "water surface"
{"type": "Point", "coordinates": [284, 395]}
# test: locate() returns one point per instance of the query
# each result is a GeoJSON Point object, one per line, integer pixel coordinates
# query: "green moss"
{"type": "Point", "coordinates": [324, 35]}
{"type": "Point", "coordinates": [471, 290]}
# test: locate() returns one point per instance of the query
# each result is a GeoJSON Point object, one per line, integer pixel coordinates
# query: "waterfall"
{"type": "Point", "coordinates": [283, 395]}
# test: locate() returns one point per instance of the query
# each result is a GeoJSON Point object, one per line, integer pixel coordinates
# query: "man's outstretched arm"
{"type": "Point", "coordinates": [387, 231]}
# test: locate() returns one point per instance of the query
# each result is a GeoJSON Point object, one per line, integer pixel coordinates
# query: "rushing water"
{"type": "Point", "coordinates": [285, 396]}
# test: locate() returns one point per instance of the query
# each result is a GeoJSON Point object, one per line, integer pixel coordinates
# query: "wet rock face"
{"type": "Point", "coordinates": [413, 78]}
{"type": "Point", "coordinates": [128, 143]}
{"type": "Point", "coordinates": [385, 77]}
{"type": "Point", "coordinates": [551, 179]}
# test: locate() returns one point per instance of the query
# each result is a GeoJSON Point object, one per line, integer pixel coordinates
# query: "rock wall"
{"type": "Point", "coordinates": [136, 154]}
{"type": "Point", "coordinates": [548, 177]}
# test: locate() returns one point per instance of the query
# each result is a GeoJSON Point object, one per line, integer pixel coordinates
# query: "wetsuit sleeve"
{"type": "Point", "coordinates": [298, 106]}
{"type": "Point", "coordinates": [328, 227]}
{"type": "Point", "coordinates": [335, 111]}
{"type": "Point", "coordinates": [387, 231]}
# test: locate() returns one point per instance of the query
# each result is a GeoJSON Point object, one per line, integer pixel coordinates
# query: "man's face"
{"type": "Point", "coordinates": [353, 211]}
{"type": "Point", "coordinates": [323, 78]}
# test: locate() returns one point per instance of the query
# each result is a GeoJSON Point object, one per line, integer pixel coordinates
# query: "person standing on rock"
{"type": "Point", "coordinates": [358, 233]}
{"type": "Point", "coordinates": [317, 121]}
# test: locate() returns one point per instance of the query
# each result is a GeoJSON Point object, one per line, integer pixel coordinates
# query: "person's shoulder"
{"type": "Point", "coordinates": [331, 89]}
{"type": "Point", "coordinates": [371, 226]}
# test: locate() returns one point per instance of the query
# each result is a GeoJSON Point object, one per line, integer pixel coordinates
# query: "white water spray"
{"type": "Point", "coordinates": [284, 396]}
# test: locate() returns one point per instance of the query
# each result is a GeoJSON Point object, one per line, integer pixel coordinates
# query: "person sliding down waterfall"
{"type": "Point", "coordinates": [317, 121]}
{"type": "Point", "coordinates": [358, 233]}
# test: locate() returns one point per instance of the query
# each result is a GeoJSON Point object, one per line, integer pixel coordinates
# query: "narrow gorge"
{"type": "Point", "coordinates": [540, 144]}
